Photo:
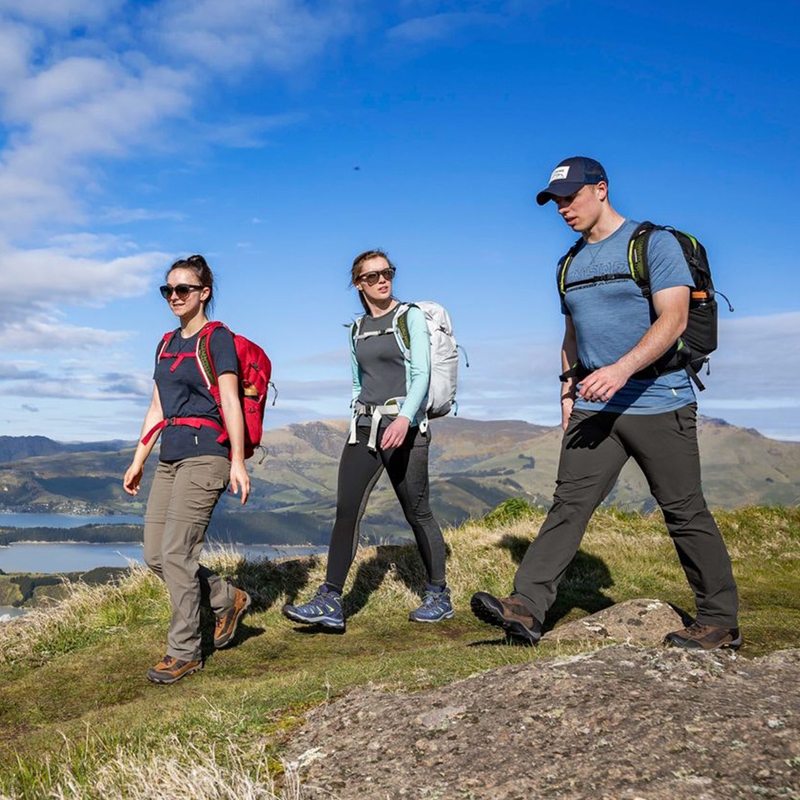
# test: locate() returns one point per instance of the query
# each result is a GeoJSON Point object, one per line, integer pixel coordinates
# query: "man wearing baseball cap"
{"type": "Point", "coordinates": [613, 409]}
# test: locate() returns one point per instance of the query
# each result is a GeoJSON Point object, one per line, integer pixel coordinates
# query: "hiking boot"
{"type": "Point", "coordinates": [170, 670]}
{"type": "Point", "coordinates": [705, 637]}
{"type": "Point", "coordinates": [324, 608]}
{"type": "Point", "coordinates": [228, 621]}
{"type": "Point", "coordinates": [507, 613]}
{"type": "Point", "coordinates": [435, 607]}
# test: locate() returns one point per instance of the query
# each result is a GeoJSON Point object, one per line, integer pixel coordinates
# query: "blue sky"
{"type": "Point", "coordinates": [280, 138]}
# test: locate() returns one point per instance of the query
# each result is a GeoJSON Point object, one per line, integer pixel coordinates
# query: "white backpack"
{"type": "Point", "coordinates": [441, 397]}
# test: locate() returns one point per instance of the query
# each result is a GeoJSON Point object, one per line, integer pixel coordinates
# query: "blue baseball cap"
{"type": "Point", "coordinates": [570, 175]}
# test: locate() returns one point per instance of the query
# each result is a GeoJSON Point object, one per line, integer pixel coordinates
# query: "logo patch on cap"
{"type": "Point", "coordinates": [559, 174]}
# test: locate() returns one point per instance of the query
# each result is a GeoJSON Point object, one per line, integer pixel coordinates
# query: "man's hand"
{"type": "Point", "coordinates": [566, 410]}
{"type": "Point", "coordinates": [602, 384]}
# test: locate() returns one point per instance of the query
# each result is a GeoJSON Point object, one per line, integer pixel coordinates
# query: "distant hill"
{"type": "Point", "coordinates": [475, 465]}
{"type": "Point", "coordinates": [14, 448]}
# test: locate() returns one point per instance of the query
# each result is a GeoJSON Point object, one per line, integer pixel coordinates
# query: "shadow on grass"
{"type": "Point", "coordinates": [403, 560]}
{"type": "Point", "coordinates": [582, 584]}
{"type": "Point", "coordinates": [266, 581]}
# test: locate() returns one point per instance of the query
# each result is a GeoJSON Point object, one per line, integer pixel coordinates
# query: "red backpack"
{"type": "Point", "coordinates": [255, 370]}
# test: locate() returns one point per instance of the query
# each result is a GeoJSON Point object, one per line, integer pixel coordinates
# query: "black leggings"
{"type": "Point", "coordinates": [359, 470]}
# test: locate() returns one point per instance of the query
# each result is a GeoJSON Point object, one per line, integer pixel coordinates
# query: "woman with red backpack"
{"type": "Point", "coordinates": [195, 467]}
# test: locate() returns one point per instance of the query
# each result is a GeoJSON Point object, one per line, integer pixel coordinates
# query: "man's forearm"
{"type": "Point", "coordinates": [658, 338]}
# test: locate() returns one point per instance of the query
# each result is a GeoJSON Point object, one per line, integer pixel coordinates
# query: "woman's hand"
{"type": "Point", "coordinates": [395, 434]}
{"type": "Point", "coordinates": [240, 480]}
{"type": "Point", "coordinates": [132, 478]}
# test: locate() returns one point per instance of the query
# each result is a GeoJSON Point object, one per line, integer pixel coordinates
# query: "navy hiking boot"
{"type": "Point", "coordinates": [435, 607]}
{"type": "Point", "coordinates": [324, 608]}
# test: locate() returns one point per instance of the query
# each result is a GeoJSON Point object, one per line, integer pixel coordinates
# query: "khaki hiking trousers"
{"type": "Point", "coordinates": [179, 508]}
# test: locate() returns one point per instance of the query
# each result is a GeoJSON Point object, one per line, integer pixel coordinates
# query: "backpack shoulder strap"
{"type": "Point", "coordinates": [165, 340]}
{"type": "Point", "coordinates": [355, 329]}
{"type": "Point", "coordinates": [205, 362]}
{"type": "Point", "coordinates": [638, 259]}
{"type": "Point", "coordinates": [401, 324]}
{"type": "Point", "coordinates": [563, 266]}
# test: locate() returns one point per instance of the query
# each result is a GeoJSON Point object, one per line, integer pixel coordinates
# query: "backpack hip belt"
{"type": "Point", "coordinates": [192, 422]}
{"type": "Point", "coordinates": [391, 408]}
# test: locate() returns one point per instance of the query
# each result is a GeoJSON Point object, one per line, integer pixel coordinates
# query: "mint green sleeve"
{"type": "Point", "coordinates": [354, 364]}
{"type": "Point", "coordinates": [420, 363]}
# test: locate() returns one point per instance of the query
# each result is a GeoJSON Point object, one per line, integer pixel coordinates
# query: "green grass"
{"type": "Point", "coordinates": [77, 712]}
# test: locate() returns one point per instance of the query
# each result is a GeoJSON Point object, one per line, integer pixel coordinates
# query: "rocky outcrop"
{"type": "Point", "coordinates": [639, 621]}
{"type": "Point", "coordinates": [622, 723]}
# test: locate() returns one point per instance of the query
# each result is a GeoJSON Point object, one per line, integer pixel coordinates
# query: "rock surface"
{"type": "Point", "coordinates": [622, 723]}
{"type": "Point", "coordinates": [639, 621]}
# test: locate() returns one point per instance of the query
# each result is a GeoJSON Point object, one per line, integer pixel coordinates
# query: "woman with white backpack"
{"type": "Point", "coordinates": [388, 431]}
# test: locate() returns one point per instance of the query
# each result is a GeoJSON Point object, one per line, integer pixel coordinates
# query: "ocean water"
{"type": "Point", "coordinates": [9, 612]}
{"type": "Point", "coordinates": [81, 556]}
{"type": "Point", "coordinates": [9, 520]}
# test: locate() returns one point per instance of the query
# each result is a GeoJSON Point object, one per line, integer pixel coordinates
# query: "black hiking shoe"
{"type": "Point", "coordinates": [705, 637]}
{"type": "Point", "coordinates": [507, 613]}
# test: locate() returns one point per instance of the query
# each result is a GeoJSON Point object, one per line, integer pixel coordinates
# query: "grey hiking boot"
{"type": "Point", "coordinates": [705, 637]}
{"type": "Point", "coordinates": [509, 614]}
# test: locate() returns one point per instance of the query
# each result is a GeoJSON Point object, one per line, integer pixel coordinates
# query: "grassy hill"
{"type": "Point", "coordinates": [81, 721]}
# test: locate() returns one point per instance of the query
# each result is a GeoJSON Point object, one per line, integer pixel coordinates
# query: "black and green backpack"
{"type": "Point", "coordinates": [699, 340]}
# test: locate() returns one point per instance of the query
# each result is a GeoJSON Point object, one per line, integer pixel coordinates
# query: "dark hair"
{"type": "Point", "coordinates": [358, 262]}
{"type": "Point", "coordinates": [205, 276]}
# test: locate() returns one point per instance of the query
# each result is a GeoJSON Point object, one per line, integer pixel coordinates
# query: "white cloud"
{"type": "Point", "coordinates": [123, 216]}
{"type": "Point", "coordinates": [31, 279]}
{"type": "Point", "coordinates": [224, 35]}
{"type": "Point", "coordinates": [437, 26]}
{"type": "Point", "coordinates": [39, 334]}
{"type": "Point", "coordinates": [65, 116]}
{"type": "Point", "coordinates": [60, 12]}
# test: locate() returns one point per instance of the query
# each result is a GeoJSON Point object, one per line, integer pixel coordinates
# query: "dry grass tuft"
{"type": "Point", "coordinates": [180, 769]}
{"type": "Point", "coordinates": [88, 611]}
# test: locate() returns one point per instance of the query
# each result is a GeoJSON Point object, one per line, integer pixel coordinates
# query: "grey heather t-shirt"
{"type": "Point", "coordinates": [383, 369]}
{"type": "Point", "coordinates": [611, 316]}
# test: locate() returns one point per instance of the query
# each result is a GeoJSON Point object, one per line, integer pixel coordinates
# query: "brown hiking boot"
{"type": "Point", "coordinates": [507, 613]}
{"type": "Point", "coordinates": [170, 670]}
{"type": "Point", "coordinates": [226, 624]}
{"type": "Point", "coordinates": [705, 637]}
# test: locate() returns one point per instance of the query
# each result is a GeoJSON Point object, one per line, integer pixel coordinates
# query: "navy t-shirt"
{"type": "Point", "coordinates": [183, 393]}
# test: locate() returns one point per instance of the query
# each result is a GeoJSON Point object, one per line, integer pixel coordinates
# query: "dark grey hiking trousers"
{"type": "Point", "coordinates": [594, 449]}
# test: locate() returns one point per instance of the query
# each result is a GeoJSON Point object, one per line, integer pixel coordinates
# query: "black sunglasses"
{"type": "Point", "coordinates": [182, 290]}
{"type": "Point", "coordinates": [371, 278]}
